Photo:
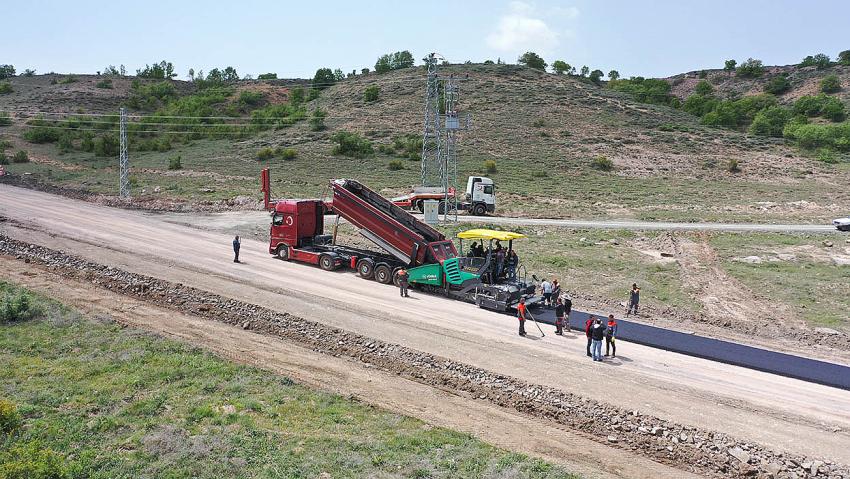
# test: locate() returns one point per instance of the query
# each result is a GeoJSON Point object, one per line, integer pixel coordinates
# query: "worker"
{"type": "Point", "coordinates": [473, 250]}
{"type": "Point", "coordinates": [587, 325]}
{"type": "Point", "coordinates": [546, 287]}
{"type": "Point", "coordinates": [512, 262]}
{"type": "Point", "coordinates": [403, 282]}
{"type": "Point", "coordinates": [479, 251]}
{"type": "Point", "coordinates": [500, 261]}
{"type": "Point", "coordinates": [556, 290]}
{"type": "Point", "coordinates": [520, 314]}
{"type": "Point", "coordinates": [610, 336]}
{"type": "Point", "coordinates": [597, 333]}
{"type": "Point", "coordinates": [634, 299]}
{"type": "Point", "coordinates": [559, 317]}
{"type": "Point", "coordinates": [237, 243]}
{"type": "Point", "coordinates": [568, 308]}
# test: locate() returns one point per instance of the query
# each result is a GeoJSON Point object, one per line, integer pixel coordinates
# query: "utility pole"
{"type": "Point", "coordinates": [123, 160]}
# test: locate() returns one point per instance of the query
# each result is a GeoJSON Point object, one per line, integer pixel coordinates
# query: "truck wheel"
{"type": "Point", "coordinates": [441, 208]}
{"type": "Point", "coordinates": [366, 268]}
{"type": "Point", "coordinates": [326, 262]}
{"type": "Point", "coordinates": [283, 252]}
{"type": "Point", "coordinates": [479, 210]}
{"type": "Point", "coordinates": [420, 205]}
{"type": "Point", "coordinates": [383, 274]}
{"type": "Point", "coordinates": [844, 228]}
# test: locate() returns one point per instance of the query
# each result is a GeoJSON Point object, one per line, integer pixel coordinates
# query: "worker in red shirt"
{"type": "Point", "coordinates": [587, 325]}
{"type": "Point", "coordinates": [610, 336]}
{"type": "Point", "coordinates": [520, 314]}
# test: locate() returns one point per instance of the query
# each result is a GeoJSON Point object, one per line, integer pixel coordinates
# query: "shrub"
{"type": "Point", "coordinates": [371, 93]}
{"type": "Point", "coordinates": [836, 136]}
{"type": "Point", "coordinates": [596, 76]}
{"type": "Point", "coordinates": [827, 156]}
{"type": "Point", "coordinates": [602, 163]}
{"type": "Point", "coordinates": [265, 154]}
{"type": "Point", "coordinates": [538, 123]}
{"type": "Point", "coordinates": [317, 121]}
{"type": "Point", "coordinates": [729, 65]}
{"type": "Point", "coordinates": [3, 159]}
{"type": "Point", "coordinates": [65, 143]}
{"type": "Point", "coordinates": [5, 144]}
{"type": "Point", "coordinates": [351, 144]}
{"type": "Point", "coordinates": [490, 166]}
{"type": "Point", "coordinates": [395, 165]}
{"type": "Point", "coordinates": [644, 90]}
{"type": "Point", "coordinates": [106, 145]}
{"type": "Point", "coordinates": [249, 98]}
{"type": "Point", "coordinates": [267, 76]}
{"type": "Point", "coordinates": [778, 85]}
{"type": "Point", "coordinates": [394, 61]}
{"type": "Point", "coordinates": [87, 143]}
{"type": "Point", "coordinates": [844, 57]}
{"type": "Point", "coordinates": [5, 119]}
{"type": "Point", "coordinates": [19, 306]}
{"type": "Point", "coordinates": [105, 83]}
{"type": "Point", "coordinates": [159, 71]}
{"type": "Point", "coordinates": [5, 87]}
{"type": "Point", "coordinates": [30, 461]}
{"type": "Point", "coordinates": [175, 163]}
{"type": "Point", "coordinates": [732, 166]}
{"type": "Point", "coordinates": [820, 105]}
{"type": "Point", "coordinates": [41, 134]}
{"type": "Point", "coordinates": [560, 67]}
{"type": "Point", "coordinates": [830, 84]}
{"type": "Point", "coordinates": [770, 121]}
{"type": "Point", "coordinates": [296, 96]}
{"type": "Point", "coordinates": [323, 78]}
{"type": "Point", "coordinates": [704, 88]}
{"type": "Point", "coordinates": [68, 80]}
{"type": "Point", "coordinates": [10, 418]}
{"type": "Point", "coordinates": [6, 71]}
{"type": "Point", "coordinates": [751, 68]}
{"type": "Point", "coordinates": [21, 157]}
{"type": "Point", "coordinates": [700, 105]}
{"type": "Point", "coordinates": [532, 60]}
{"type": "Point", "coordinates": [285, 153]}
{"type": "Point", "coordinates": [820, 61]}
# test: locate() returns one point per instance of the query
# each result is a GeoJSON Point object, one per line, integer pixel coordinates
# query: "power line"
{"type": "Point", "coordinates": [154, 117]}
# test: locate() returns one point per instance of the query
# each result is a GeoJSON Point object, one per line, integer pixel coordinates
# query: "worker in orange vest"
{"type": "Point", "coordinates": [403, 282]}
{"type": "Point", "coordinates": [520, 314]}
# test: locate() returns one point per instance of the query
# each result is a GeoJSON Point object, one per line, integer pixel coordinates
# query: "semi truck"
{"type": "Point", "coordinates": [297, 233]}
{"type": "Point", "coordinates": [479, 198]}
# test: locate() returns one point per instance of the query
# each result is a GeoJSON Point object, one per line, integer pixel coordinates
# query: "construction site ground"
{"type": "Point", "coordinates": [782, 414]}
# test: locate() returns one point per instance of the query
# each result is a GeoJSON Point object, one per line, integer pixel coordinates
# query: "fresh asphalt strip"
{"type": "Point", "coordinates": [811, 370]}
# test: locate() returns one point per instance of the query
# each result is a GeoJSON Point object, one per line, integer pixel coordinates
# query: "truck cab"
{"type": "Point", "coordinates": [480, 195]}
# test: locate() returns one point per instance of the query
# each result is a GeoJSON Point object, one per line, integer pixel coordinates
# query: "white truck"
{"type": "Point", "coordinates": [479, 198]}
{"type": "Point", "coordinates": [842, 224]}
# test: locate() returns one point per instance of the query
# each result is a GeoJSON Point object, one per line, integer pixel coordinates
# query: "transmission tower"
{"type": "Point", "coordinates": [448, 165]}
{"type": "Point", "coordinates": [123, 160]}
{"type": "Point", "coordinates": [431, 144]}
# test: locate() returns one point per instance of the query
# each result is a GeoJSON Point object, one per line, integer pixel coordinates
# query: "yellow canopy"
{"type": "Point", "coordinates": [482, 234]}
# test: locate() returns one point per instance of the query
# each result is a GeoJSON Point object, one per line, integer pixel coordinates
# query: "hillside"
{"type": "Point", "coordinates": [542, 130]}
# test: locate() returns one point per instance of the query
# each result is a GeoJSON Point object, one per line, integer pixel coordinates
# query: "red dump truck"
{"type": "Point", "coordinates": [433, 263]}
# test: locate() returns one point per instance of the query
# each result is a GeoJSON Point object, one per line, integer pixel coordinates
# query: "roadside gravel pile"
{"type": "Point", "coordinates": [700, 451]}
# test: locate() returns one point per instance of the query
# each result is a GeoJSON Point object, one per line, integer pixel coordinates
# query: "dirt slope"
{"type": "Point", "coordinates": [784, 414]}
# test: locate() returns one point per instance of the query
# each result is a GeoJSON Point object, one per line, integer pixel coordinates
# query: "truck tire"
{"type": "Point", "coordinates": [479, 209]}
{"type": "Point", "coordinates": [420, 205]}
{"type": "Point", "coordinates": [366, 268]}
{"type": "Point", "coordinates": [283, 252]}
{"type": "Point", "coordinates": [383, 274]}
{"type": "Point", "coordinates": [327, 263]}
{"type": "Point", "coordinates": [441, 208]}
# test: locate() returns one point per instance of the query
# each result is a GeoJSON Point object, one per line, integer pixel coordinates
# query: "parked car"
{"type": "Point", "coordinates": [843, 224]}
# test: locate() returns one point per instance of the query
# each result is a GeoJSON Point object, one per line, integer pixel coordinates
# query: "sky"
{"type": "Point", "coordinates": [294, 38]}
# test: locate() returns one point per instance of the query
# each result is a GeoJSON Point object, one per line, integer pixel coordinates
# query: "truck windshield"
{"type": "Point", "coordinates": [443, 251]}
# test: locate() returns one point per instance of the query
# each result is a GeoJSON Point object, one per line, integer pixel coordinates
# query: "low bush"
{"type": "Point", "coordinates": [645, 90]}
{"type": "Point", "coordinates": [732, 166]}
{"type": "Point", "coordinates": [41, 134]}
{"type": "Point", "coordinates": [4, 160]}
{"type": "Point", "coordinates": [4, 144]}
{"type": "Point", "coordinates": [538, 123]}
{"type": "Point", "coordinates": [827, 156]}
{"type": "Point", "coordinates": [175, 163]}
{"type": "Point", "coordinates": [106, 146]}
{"type": "Point", "coordinates": [267, 76]}
{"type": "Point", "coordinates": [286, 153]}
{"type": "Point", "coordinates": [65, 143]}
{"type": "Point", "coordinates": [265, 154]}
{"type": "Point", "coordinates": [770, 122]}
{"type": "Point", "coordinates": [751, 69]}
{"type": "Point", "coordinates": [5, 119]}
{"type": "Point", "coordinates": [106, 83]}
{"type": "Point", "coordinates": [370, 94]}
{"type": "Point", "coordinates": [351, 144]}
{"type": "Point", "coordinates": [778, 85]}
{"type": "Point", "coordinates": [21, 157]}
{"type": "Point", "coordinates": [406, 146]}
{"type": "Point", "coordinates": [395, 165]}
{"type": "Point", "coordinates": [821, 105]}
{"type": "Point", "coordinates": [19, 306]}
{"type": "Point", "coordinates": [317, 121]}
{"type": "Point", "coordinates": [31, 461]}
{"type": "Point", "coordinates": [10, 418]}
{"type": "Point", "coordinates": [490, 166]}
{"type": "Point", "coordinates": [68, 80]}
{"type": "Point", "coordinates": [602, 163]}
{"type": "Point", "coordinates": [5, 87]}
{"type": "Point", "coordinates": [249, 98]}
{"type": "Point", "coordinates": [830, 84]}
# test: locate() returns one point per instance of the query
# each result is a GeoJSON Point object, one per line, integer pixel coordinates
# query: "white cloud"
{"type": "Point", "coordinates": [566, 12]}
{"type": "Point", "coordinates": [520, 30]}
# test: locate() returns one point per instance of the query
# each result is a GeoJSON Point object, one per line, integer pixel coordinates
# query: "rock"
{"type": "Point", "coordinates": [749, 259]}
{"type": "Point", "coordinates": [786, 257]}
{"type": "Point", "coordinates": [612, 439]}
{"type": "Point", "coordinates": [773, 468]}
{"type": "Point", "coordinates": [739, 454]}
{"type": "Point", "coordinates": [815, 466]}
{"type": "Point", "coordinates": [828, 243]}
{"type": "Point", "coordinates": [683, 437]}
{"type": "Point", "coordinates": [657, 431]}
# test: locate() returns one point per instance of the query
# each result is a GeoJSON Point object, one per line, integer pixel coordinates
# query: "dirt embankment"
{"type": "Point", "coordinates": [691, 449]}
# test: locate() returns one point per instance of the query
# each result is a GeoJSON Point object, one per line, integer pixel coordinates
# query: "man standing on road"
{"type": "Point", "coordinates": [610, 336]}
{"type": "Point", "coordinates": [568, 308]}
{"type": "Point", "coordinates": [559, 317]}
{"type": "Point", "coordinates": [403, 282]}
{"type": "Point", "coordinates": [546, 286]}
{"type": "Point", "coordinates": [237, 243]}
{"type": "Point", "coordinates": [634, 299]}
{"type": "Point", "coordinates": [587, 326]}
{"type": "Point", "coordinates": [556, 290]}
{"type": "Point", "coordinates": [520, 314]}
{"type": "Point", "coordinates": [597, 333]}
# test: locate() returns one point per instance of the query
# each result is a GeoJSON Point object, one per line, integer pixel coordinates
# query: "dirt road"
{"type": "Point", "coordinates": [781, 413]}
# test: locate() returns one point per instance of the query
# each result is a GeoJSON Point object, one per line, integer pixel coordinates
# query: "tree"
{"type": "Point", "coordinates": [532, 60]}
{"type": "Point", "coordinates": [489, 62]}
{"type": "Point", "coordinates": [751, 68]}
{"type": "Point", "coordinates": [844, 57]}
{"type": "Point", "coordinates": [560, 67]}
{"type": "Point", "coordinates": [821, 61]}
{"type": "Point", "coordinates": [229, 75]}
{"type": "Point", "coordinates": [596, 76]}
{"type": "Point", "coordinates": [338, 75]}
{"type": "Point", "coordinates": [6, 71]}
{"type": "Point", "coordinates": [613, 75]}
{"type": "Point", "coordinates": [770, 122]}
{"type": "Point", "coordinates": [585, 71]}
{"type": "Point", "coordinates": [267, 76]}
{"type": "Point", "coordinates": [830, 84]}
{"type": "Point", "coordinates": [402, 59]}
{"type": "Point", "coordinates": [364, 71]}
{"type": "Point", "coordinates": [158, 71]}
{"type": "Point", "coordinates": [704, 88]}
{"type": "Point", "coordinates": [730, 65]}
{"type": "Point", "coordinates": [778, 85]}
{"type": "Point", "coordinates": [323, 78]}
{"type": "Point", "coordinates": [384, 64]}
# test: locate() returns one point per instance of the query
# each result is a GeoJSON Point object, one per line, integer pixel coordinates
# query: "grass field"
{"type": "Point", "coordinates": [112, 402]}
